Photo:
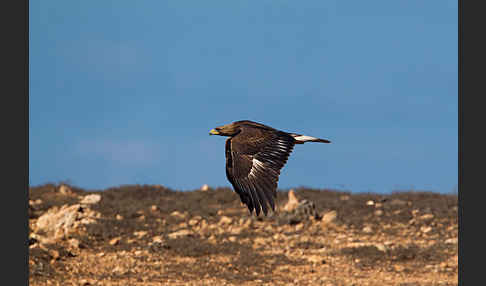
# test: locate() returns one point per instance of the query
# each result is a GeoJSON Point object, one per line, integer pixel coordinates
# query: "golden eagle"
{"type": "Point", "coordinates": [255, 154]}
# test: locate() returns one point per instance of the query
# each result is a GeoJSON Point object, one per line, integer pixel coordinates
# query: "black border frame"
{"type": "Point", "coordinates": [15, 122]}
{"type": "Point", "coordinates": [470, 77]}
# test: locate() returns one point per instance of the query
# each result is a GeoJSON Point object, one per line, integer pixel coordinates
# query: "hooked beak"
{"type": "Point", "coordinates": [213, 132]}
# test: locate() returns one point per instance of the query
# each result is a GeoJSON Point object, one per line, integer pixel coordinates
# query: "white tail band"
{"type": "Point", "coordinates": [305, 138]}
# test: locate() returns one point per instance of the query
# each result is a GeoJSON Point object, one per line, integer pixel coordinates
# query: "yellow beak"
{"type": "Point", "coordinates": [213, 132]}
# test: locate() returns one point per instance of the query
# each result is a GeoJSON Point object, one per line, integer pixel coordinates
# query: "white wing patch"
{"type": "Point", "coordinates": [304, 138]}
{"type": "Point", "coordinates": [256, 164]}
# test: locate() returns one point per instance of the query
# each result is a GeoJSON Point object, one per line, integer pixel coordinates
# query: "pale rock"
{"type": "Point", "coordinates": [42, 240]}
{"type": "Point", "coordinates": [91, 199]}
{"type": "Point", "coordinates": [115, 241]}
{"type": "Point", "coordinates": [54, 253]}
{"type": "Point", "coordinates": [73, 242]}
{"type": "Point", "coordinates": [259, 241]}
{"type": "Point", "coordinates": [154, 208]}
{"type": "Point", "coordinates": [85, 282]}
{"type": "Point", "coordinates": [35, 203]}
{"type": "Point", "coordinates": [36, 245]}
{"type": "Point", "coordinates": [370, 203]}
{"type": "Point", "coordinates": [378, 212]}
{"type": "Point", "coordinates": [283, 268]}
{"type": "Point", "coordinates": [180, 233]}
{"type": "Point", "coordinates": [357, 244]}
{"type": "Point", "coordinates": [304, 210]}
{"type": "Point", "coordinates": [329, 217]}
{"type": "Point", "coordinates": [426, 216]}
{"type": "Point", "coordinates": [453, 240]}
{"type": "Point", "coordinates": [232, 238]}
{"type": "Point", "coordinates": [292, 202]}
{"type": "Point", "coordinates": [205, 188]}
{"type": "Point", "coordinates": [269, 228]}
{"type": "Point", "coordinates": [220, 231]}
{"type": "Point", "coordinates": [397, 202]}
{"type": "Point", "coordinates": [299, 227]}
{"type": "Point", "coordinates": [61, 222]}
{"type": "Point", "coordinates": [367, 229]}
{"type": "Point", "coordinates": [452, 228]}
{"type": "Point", "coordinates": [425, 229]}
{"type": "Point", "coordinates": [59, 233]}
{"type": "Point", "coordinates": [381, 247]}
{"type": "Point", "coordinates": [195, 220]}
{"type": "Point", "coordinates": [236, 230]}
{"type": "Point", "coordinates": [204, 223]}
{"type": "Point", "coordinates": [224, 220]}
{"type": "Point", "coordinates": [248, 223]}
{"type": "Point", "coordinates": [140, 234]}
{"type": "Point", "coordinates": [398, 267]}
{"type": "Point", "coordinates": [305, 239]}
{"type": "Point", "coordinates": [119, 270]}
{"type": "Point", "coordinates": [212, 239]}
{"type": "Point", "coordinates": [277, 236]}
{"type": "Point", "coordinates": [179, 215]}
{"type": "Point", "coordinates": [316, 259]}
{"type": "Point", "coordinates": [118, 217]}
{"type": "Point", "coordinates": [65, 190]}
{"type": "Point", "coordinates": [157, 239]}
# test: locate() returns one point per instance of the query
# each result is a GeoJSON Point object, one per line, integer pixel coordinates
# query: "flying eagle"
{"type": "Point", "coordinates": [255, 154]}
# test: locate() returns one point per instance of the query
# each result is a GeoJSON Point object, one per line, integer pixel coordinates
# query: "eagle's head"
{"type": "Point", "coordinates": [226, 130]}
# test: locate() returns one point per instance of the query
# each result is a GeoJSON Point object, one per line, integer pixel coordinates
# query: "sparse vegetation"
{"type": "Point", "coordinates": [151, 235]}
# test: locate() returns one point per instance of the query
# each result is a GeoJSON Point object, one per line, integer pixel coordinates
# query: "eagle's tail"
{"type": "Point", "coordinates": [301, 139]}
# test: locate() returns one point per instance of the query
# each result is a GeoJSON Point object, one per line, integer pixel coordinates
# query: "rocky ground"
{"type": "Point", "coordinates": [150, 235]}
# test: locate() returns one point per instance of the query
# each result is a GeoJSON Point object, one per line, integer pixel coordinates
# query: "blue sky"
{"type": "Point", "coordinates": [125, 92]}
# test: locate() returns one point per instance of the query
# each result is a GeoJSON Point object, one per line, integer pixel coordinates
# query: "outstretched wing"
{"type": "Point", "coordinates": [253, 164]}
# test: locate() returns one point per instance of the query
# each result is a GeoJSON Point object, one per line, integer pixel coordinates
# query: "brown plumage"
{"type": "Point", "coordinates": [255, 154]}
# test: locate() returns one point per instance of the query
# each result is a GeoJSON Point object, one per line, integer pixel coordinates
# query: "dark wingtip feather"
{"type": "Point", "coordinates": [264, 208]}
{"type": "Point", "coordinates": [250, 206]}
{"type": "Point", "coordinates": [250, 209]}
{"type": "Point", "coordinates": [272, 204]}
{"type": "Point", "coordinates": [262, 200]}
{"type": "Point", "coordinates": [254, 198]}
{"type": "Point", "coordinates": [256, 203]}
